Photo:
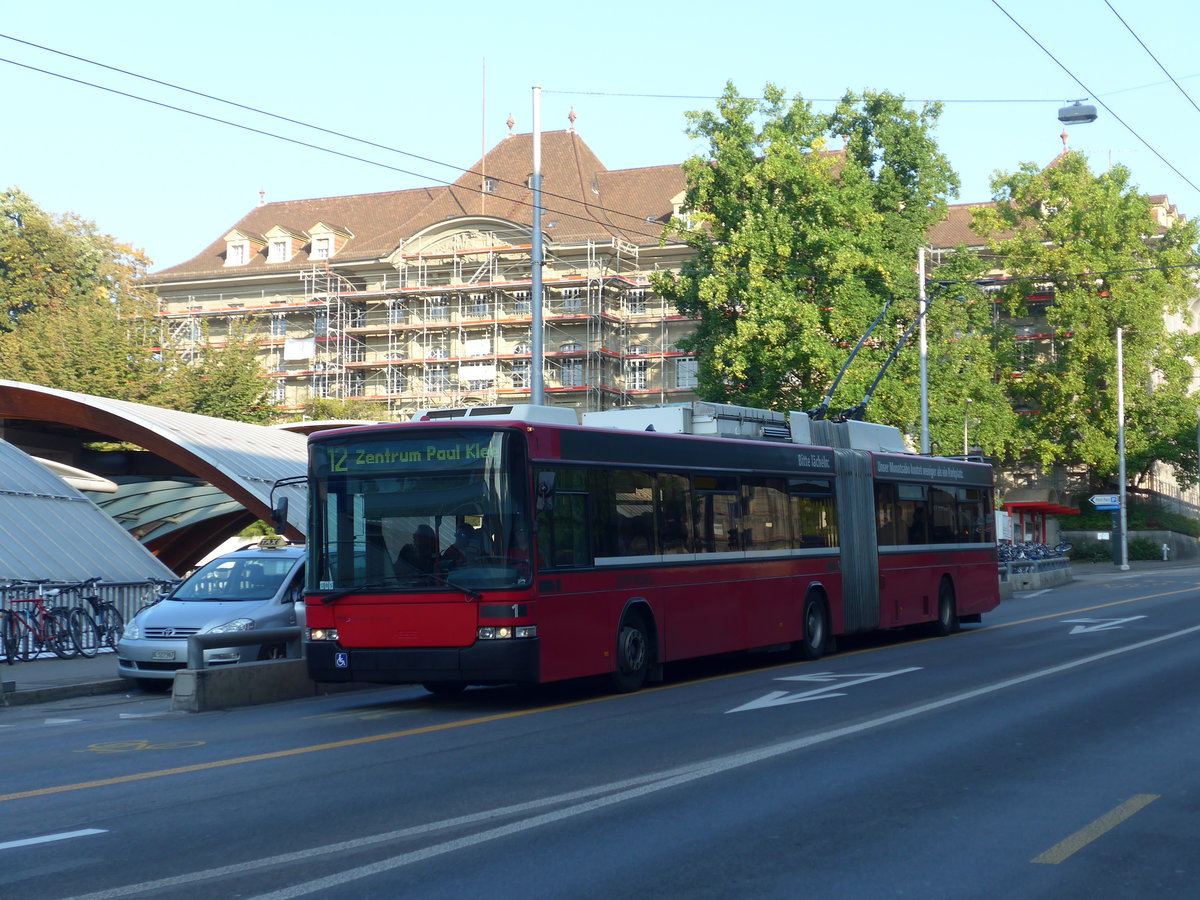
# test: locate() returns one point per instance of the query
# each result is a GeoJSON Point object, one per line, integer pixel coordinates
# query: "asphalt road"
{"type": "Point", "coordinates": [1049, 752]}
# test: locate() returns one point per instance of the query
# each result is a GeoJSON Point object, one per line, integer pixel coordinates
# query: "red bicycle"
{"type": "Point", "coordinates": [32, 626]}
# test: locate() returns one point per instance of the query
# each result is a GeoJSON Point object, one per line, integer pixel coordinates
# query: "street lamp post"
{"type": "Point", "coordinates": [1123, 550]}
{"type": "Point", "coordinates": [966, 414]}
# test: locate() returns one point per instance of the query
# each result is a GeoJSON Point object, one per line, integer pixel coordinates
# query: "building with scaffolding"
{"type": "Point", "coordinates": [422, 298]}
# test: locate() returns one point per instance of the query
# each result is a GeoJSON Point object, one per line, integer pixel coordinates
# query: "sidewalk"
{"type": "Point", "coordinates": [43, 680]}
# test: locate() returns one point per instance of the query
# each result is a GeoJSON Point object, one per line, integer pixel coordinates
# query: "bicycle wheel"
{"type": "Point", "coordinates": [57, 634]}
{"type": "Point", "coordinates": [110, 624]}
{"type": "Point", "coordinates": [84, 635]}
{"type": "Point", "coordinates": [5, 654]}
{"type": "Point", "coordinates": [18, 638]}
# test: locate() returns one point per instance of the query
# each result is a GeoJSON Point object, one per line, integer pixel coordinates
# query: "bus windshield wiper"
{"type": "Point", "coordinates": [334, 596]}
{"type": "Point", "coordinates": [470, 592]}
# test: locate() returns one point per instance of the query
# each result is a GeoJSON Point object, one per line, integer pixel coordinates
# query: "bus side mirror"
{"type": "Point", "coordinates": [279, 515]}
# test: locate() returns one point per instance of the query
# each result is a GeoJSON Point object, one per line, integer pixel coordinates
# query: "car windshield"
{"type": "Point", "coordinates": [255, 578]}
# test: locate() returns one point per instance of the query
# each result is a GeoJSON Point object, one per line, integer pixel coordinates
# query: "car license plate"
{"type": "Point", "coordinates": [163, 654]}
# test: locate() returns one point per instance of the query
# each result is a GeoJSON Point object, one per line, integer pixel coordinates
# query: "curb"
{"type": "Point", "coordinates": [63, 692]}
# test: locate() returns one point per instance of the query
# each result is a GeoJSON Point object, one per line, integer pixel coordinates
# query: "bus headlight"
{"type": "Point", "coordinates": [504, 632]}
{"type": "Point", "coordinates": [322, 634]}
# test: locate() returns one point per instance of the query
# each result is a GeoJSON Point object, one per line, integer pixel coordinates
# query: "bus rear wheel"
{"type": "Point", "coordinates": [815, 641]}
{"type": "Point", "coordinates": [947, 620]}
{"type": "Point", "coordinates": [633, 653]}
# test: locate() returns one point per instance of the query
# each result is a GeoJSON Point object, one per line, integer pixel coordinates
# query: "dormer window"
{"type": "Point", "coordinates": [489, 185]}
{"type": "Point", "coordinates": [281, 251]}
{"type": "Point", "coordinates": [326, 240]}
{"type": "Point", "coordinates": [237, 253]}
{"type": "Point", "coordinates": [242, 246]}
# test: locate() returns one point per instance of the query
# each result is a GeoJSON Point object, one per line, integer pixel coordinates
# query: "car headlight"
{"type": "Point", "coordinates": [235, 625]}
{"type": "Point", "coordinates": [131, 632]}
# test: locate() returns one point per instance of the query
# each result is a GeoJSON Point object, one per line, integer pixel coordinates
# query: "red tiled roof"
{"type": "Point", "coordinates": [581, 200]}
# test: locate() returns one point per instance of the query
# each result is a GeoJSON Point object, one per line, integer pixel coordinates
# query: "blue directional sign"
{"type": "Point", "coordinates": [1105, 501]}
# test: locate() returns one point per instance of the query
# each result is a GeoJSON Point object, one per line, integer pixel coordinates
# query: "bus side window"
{"type": "Point", "coordinates": [562, 539]}
{"type": "Point", "coordinates": [885, 514]}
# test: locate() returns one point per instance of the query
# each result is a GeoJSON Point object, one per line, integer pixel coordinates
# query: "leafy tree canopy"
{"type": "Point", "coordinates": [797, 248]}
{"type": "Point", "coordinates": [1094, 243]}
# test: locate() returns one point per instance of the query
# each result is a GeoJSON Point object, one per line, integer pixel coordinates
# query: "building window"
{"type": "Point", "coordinates": [635, 302]}
{"type": "Point", "coordinates": [279, 394]}
{"type": "Point", "coordinates": [572, 300]}
{"type": "Point", "coordinates": [521, 304]}
{"type": "Point", "coordinates": [438, 353]}
{"type": "Point", "coordinates": [523, 349]}
{"type": "Point", "coordinates": [280, 251]}
{"type": "Point", "coordinates": [520, 375]}
{"type": "Point", "coordinates": [489, 185]}
{"type": "Point", "coordinates": [396, 314]}
{"type": "Point", "coordinates": [572, 373]}
{"type": "Point", "coordinates": [437, 308]}
{"type": "Point", "coordinates": [397, 381]}
{"type": "Point", "coordinates": [322, 247]}
{"type": "Point", "coordinates": [686, 371]}
{"type": "Point", "coordinates": [237, 254]}
{"type": "Point", "coordinates": [571, 347]}
{"type": "Point", "coordinates": [321, 324]}
{"type": "Point", "coordinates": [358, 384]}
{"type": "Point", "coordinates": [320, 387]}
{"type": "Point", "coordinates": [480, 307]}
{"type": "Point", "coordinates": [438, 378]}
{"type": "Point", "coordinates": [635, 375]}
{"type": "Point", "coordinates": [278, 326]}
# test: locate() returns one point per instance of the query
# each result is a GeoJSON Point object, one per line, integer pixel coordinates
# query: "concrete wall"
{"type": "Point", "coordinates": [1181, 546]}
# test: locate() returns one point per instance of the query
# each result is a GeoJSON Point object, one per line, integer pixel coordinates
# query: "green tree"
{"type": "Point", "coordinates": [1094, 242]}
{"type": "Point", "coordinates": [798, 248]}
{"type": "Point", "coordinates": [72, 314]}
{"type": "Point", "coordinates": [223, 379]}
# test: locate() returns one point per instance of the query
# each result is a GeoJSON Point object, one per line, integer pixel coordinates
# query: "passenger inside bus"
{"type": "Point", "coordinates": [421, 555]}
{"type": "Point", "coordinates": [465, 550]}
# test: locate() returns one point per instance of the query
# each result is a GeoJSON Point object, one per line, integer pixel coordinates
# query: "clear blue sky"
{"type": "Point", "coordinates": [412, 77]}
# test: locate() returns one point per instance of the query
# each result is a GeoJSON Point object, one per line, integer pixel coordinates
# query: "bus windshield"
{"type": "Point", "coordinates": [437, 510]}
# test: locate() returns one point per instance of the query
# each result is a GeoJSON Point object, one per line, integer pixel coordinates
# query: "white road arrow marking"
{"type": "Point", "coordinates": [1086, 625]}
{"type": "Point", "coordinates": [782, 698]}
{"type": "Point", "coordinates": [47, 838]}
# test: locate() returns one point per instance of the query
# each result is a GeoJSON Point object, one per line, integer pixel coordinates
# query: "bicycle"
{"type": "Point", "coordinates": [107, 621]}
{"type": "Point", "coordinates": [27, 633]}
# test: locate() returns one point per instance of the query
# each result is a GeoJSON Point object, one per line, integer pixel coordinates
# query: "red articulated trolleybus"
{"type": "Point", "coordinates": [509, 544]}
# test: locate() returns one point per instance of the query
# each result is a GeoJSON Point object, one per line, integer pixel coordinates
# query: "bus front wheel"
{"type": "Point", "coordinates": [816, 628]}
{"type": "Point", "coordinates": [633, 653]}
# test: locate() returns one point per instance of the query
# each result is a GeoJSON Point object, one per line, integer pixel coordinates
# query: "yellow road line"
{"type": "Point", "coordinates": [1100, 827]}
{"type": "Point", "coordinates": [393, 735]}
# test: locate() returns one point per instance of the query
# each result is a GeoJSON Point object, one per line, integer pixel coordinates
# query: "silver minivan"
{"type": "Point", "coordinates": [257, 587]}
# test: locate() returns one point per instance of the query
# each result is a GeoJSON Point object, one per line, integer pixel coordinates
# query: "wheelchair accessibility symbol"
{"type": "Point", "coordinates": [341, 660]}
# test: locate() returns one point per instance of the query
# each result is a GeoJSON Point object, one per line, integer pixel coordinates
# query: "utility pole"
{"type": "Point", "coordinates": [924, 356]}
{"type": "Point", "coordinates": [537, 394]}
{"type": "Point", "coordinates": [1123, 551]}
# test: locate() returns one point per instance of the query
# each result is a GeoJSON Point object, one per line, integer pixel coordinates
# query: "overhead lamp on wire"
{"type": "Point", "coordinates": [1077, 113]}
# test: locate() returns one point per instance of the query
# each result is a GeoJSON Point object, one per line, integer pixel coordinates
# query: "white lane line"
{"type": "Point", "coordinates": [47, 838]}
{"type": "Point", "coordinates": [619, 792]}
